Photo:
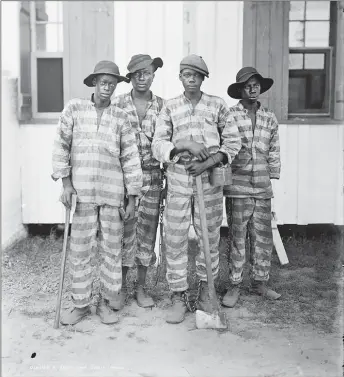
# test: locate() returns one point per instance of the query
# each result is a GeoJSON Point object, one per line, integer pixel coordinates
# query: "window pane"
{"type": "Point", "coordinates": [314, 61]}
{"type": "Point", "coordinates": [297, 94]}
{"type": "Point", "coordinates": [296, 38]}
{"type": "Point", "coordinates": [49, 11]}
{"type": "Point", "coordinates": [49, 37]}
{"type": "Point", "coordinates": [49, 85]}
{"type": "Point", "coordinates": [308, 92]}
{"type": "Point", "coordinates": [295, 61]}
{"type": "Point", "coordinates": [297, 10]}
{"type": "Point", "coordinates": [317, 34]}
{"type": "Point", "coordinates": [318, 10]}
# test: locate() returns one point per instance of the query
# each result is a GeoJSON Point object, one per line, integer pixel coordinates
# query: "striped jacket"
{"type": "Point", "coordinates": [259, 158]}
{"type": "Point", "coordinates": [207, 123]}
{"type": "Point", "coordinates": [144, 132]}
{"type": "Point", "coordinates": [103, 163]}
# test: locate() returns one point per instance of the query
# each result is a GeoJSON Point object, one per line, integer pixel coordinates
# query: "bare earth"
{"type": "Point", "coordinates": [142, 344]}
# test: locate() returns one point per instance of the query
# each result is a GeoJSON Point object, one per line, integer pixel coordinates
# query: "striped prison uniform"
{"type": "Point", "coordinates": [207, 124]}
{"type": "Point", "coordinates": [248, 199]}
{"type": "Point", "coordinates": [140, 232]}
{"type": "Point", "coordinates": [103, 163]}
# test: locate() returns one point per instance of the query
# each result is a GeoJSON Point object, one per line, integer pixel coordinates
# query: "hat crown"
{"type": "Point", "coordinates": [244, 72]}
{"type": "Point", "coordinates": [136, 59]}
{"type": "Point", "coordinates": [194, 61]}
{"type": "Point", "coordinates": [108, 66]}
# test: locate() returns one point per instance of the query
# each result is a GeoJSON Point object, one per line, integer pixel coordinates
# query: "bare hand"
{"type": "Point", "coordinates": [66, 197]}
{"type": "Point", "coordinates": [196, 168]}
{"type": "Point", "coordinates": [199, 150]}
{"type": "Point", "coordinates": [129, 210]}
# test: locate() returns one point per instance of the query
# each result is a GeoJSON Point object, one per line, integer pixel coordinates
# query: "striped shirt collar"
{"type": "Point", "coordinates": [242, 108]}
{"type": "Point", "coordinates": [94, 104]}
{"type": "Point", "coordinates": [129, 96]}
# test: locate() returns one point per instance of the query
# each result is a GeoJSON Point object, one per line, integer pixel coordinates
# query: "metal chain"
{"type": "Point", "coordinates": [185, 295]}
{"type": "Point", "coordinates": [161, 214]}
{"type": "Point", "coordinates": [229, 209]}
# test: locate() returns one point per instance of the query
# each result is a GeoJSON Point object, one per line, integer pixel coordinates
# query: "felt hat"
{"type": "Point", "coordinates": [142, 61]}
{"type": "Point", "coordinates": [234, 90]}
{"type": "Point", "coordinates": [104, 67]}
{"type": "Point", "coordinates": [196, 63]}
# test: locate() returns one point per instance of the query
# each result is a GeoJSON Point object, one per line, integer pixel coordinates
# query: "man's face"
{"type": "Point", "coordinates": [251, 90]}
{"type": "Point", "coordinates": [191, 80]}
{"type": "Point", "coordinates": [105, 86]}
{"type": "Point", "coordinates": [142, 79]}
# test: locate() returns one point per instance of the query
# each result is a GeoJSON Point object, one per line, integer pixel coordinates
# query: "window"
{"type": "Point", "coordinates": [310, 58]}
{"type": "Point", "coordinates": [46, 58]}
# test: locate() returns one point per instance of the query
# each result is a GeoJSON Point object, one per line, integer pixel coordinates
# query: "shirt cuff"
{"type": "Point", "coordinates": [61, 173]}
{"type": "Point", "coordinates": [229, 158]}
{"type": "Point", "coordinates": [167, 154]}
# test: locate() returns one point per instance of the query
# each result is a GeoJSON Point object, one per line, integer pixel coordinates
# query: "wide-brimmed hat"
{"type": "Point", "coordinates": [142, 61]}
{"type": "Point", "coordinates": [104, 67]}
{"type": "Point", "coordinates": [243, 76]}
{"type": "Point", "coordinates": [196, 63]}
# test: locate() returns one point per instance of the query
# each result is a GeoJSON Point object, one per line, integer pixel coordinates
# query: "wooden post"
{"type": "Point", "coordinates": [339, 76]}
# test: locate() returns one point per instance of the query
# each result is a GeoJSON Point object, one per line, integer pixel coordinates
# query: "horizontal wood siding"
{"type": "Point", "coordinates": [310, 190]}
{"type": "Point", "coordinates": [265, 46]}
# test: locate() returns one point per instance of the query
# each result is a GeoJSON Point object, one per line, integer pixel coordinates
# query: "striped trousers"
{"type": "Point", "coordinates": [253, 216]}
{"type": "Point", "coordinates": [181, 204]}
{"type": "Point", "coordinates": [87, 220]}
{"type": "Point", "coordinates": [140, 232]}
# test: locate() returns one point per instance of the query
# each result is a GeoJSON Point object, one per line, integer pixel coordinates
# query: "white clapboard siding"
{"type": "Point", "coordinates": [40, 194]}
{"type": "Point", "coordinates": [219, 42]}
{"type": "Point", "coordinates": [310, 190]}
{"type": "Point", "coordinates": [154, 28]}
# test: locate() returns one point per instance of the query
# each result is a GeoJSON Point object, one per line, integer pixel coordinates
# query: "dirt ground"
{"type": "Point", "coordinates": [299, 335]}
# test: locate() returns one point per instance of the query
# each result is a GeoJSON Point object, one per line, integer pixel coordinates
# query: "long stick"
{"type": "Point", "coordinates": [63, 267]}
{"type": "Point", "coordinates": [206, 247]}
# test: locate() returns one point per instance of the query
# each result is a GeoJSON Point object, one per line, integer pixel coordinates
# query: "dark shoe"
{"type": "Point", "coordinates": [204, 302]}
{"type": "Point", "coordinates": [118, 302]}
{"type": "Point", "coordinates": [106, 314]}
{"type": "Point", "coordinates": [260, 288]}
{"type": "Point", "coordinates": [231, 297]}
{"type": "Point", "coordinates": [143, 299]}
{"type": "Point", "coordinates": [176, 313]}
{"type": "Point", "coordinates": [74, 315]}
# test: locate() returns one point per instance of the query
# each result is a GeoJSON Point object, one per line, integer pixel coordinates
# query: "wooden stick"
{"type": "Point", "coordinates": [205, 238]}
{"type": "Point", "coordinates": [63, 267]}
{"type": "Point", "coordinates": [282, 255]}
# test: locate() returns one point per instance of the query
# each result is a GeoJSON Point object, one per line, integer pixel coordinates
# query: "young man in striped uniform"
{"type": "Point", "coordinates": [192, 136]}
{"type": "Point", "coordinates": [248, 199]}
{"type": "Point", "coordinates": [96, 156]}
{"type": "Point", "coordinates": [143, 108]}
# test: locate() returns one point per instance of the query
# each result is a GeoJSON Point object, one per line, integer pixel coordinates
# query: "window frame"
{"type": "Point", "coordinates": [328, 51]}
{"type": "Point", "coordinates": [36, 54]}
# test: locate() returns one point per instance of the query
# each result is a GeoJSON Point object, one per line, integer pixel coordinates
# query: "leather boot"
{"type": "Point", "coordinates": [74, 315]}
{"type": "Point", "coordinates": [176, 313]}
{"type": "Point", "coordinates": [260, 288]}
{"type": "Point", "coordinates": [118, 302]}
{"type": "Point", "coordinates": [143, 299]}
{"type": "Point", "coordinates": [231, 297]}
{"type": "Point", "coordinates": [106, 314]}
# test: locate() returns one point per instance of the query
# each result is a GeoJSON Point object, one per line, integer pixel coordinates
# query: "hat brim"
{"type": "Point", "coordinates": [156, 62]}
{"type": "Point", "coordinates": [89, 79]}
{"type": "Point", "coordinates": [234, 90]}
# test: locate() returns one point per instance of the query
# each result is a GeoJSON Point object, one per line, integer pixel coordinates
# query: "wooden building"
{"type": "Point", "coordinates": [299, 44]}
